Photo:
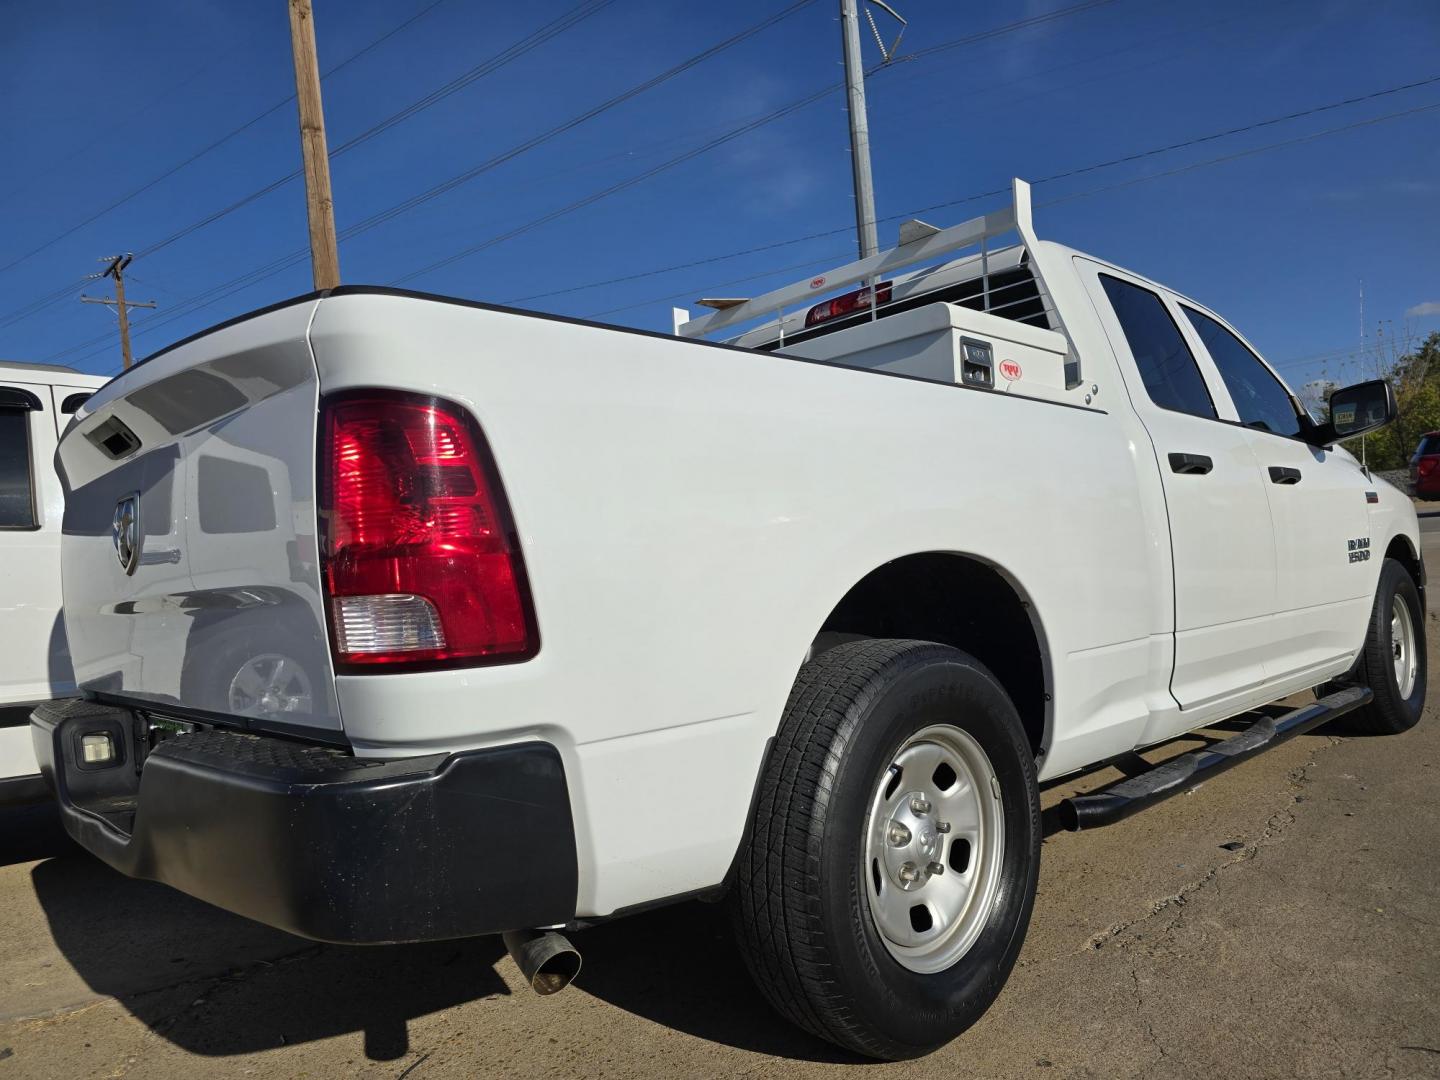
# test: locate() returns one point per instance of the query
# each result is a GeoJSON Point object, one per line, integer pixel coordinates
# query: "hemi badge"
{"type": "Point", "coordinates": [1372, 496]}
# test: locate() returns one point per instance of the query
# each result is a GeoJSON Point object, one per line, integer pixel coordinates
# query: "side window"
{"type": "Point", "coordinates": [17, 497]}
{"type": "Point", "coordinates": [1260, 399]}
{"type": "Point", "coordinates": [1171, 376]}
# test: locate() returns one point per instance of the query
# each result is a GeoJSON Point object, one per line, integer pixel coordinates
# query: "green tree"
{"type": "Point", "coordinates": [1416, 379]}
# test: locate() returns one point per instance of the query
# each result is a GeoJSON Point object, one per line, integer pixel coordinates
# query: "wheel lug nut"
{"type": "Point", "coordinates": [919, 806]}
{"type": "Point", "coordinates": [908, 874]}
{"type": "Point", "coordinates": [942, 827]}
{"type": "Point", "coordinates": [936, 868]}
{"type": "Point", "coordinates": [899, 835]}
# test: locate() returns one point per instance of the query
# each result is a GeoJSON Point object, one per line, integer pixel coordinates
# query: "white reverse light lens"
{"type": "Point", "coordinates": [96, 748]}
{"type": "Point", "coordinates": [393, 623]}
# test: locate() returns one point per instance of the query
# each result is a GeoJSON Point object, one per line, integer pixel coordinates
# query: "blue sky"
{"type": "Point", "coordinates": [101, 99]}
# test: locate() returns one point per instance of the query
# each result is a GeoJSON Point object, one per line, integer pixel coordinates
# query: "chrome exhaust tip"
{"type": "Point", "coordinates": [547, 959]}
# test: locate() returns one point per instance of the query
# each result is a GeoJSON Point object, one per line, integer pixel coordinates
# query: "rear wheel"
{"type": "Point", "coordinates": [1392, 663]}
{"type": "Point", "coordinates": [251, 669]}
{"type": "Point", "coordinates": [887, 884]}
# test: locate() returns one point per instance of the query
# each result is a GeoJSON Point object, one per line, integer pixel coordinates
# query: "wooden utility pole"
{"type": "Point", "coordinates": [324, 253]}
{"type": "Point", "coordinates": [122, 307]}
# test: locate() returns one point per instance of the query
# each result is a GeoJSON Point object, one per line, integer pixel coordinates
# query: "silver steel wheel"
{"type": "Point", "coordinates": [270, 683]}
{"type": "Point", "coordinates": [1402, 644]}
{"type": "Point", "coordinates": [934, 843]}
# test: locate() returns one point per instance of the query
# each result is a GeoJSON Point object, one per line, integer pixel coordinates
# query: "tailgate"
{"type": "Point", "coordinates": [190, 567]}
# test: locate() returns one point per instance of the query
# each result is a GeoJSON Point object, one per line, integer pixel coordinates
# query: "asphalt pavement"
{"type": "Point", "coordinates": [1283, 920]}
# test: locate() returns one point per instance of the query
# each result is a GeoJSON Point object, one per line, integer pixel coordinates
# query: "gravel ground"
{"type": "Point", "coordinates": [1281, 921]}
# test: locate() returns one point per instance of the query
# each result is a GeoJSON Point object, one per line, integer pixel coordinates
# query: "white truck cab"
{"type": "Point", "coordinates": [36, 403]}
{"type": "Point", "coordinates": [478, 620]}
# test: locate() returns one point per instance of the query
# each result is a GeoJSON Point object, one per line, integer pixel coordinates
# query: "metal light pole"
{"type": "Point", "coordinates": [859, 130]}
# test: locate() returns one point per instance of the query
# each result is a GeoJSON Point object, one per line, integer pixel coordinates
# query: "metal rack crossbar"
{"type": "Point", "coordinates": [1013, 218]}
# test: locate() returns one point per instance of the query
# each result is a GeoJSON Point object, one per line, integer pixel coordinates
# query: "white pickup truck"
{"type": "Point", "coordinates": [405, 618]}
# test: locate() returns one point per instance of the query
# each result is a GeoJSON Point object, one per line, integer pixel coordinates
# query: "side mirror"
{"type": "Point", "coordinates": [1354, 410]}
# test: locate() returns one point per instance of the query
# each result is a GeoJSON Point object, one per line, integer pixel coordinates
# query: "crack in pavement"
{"type": "Point", "coordinates": [1278, 822]}
{"type": "Point", "coordinates": [204, 984]}
{"type": "Point", "coordinates": [209, 984]}
{"type": "Point", "coordinates": [1145, 1022]}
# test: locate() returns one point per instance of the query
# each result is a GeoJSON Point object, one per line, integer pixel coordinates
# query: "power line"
{"type": "Point", "coordinates": [735, 133]}
{"type": "Point", "coordinates": [985, 35]}
{"type": "Point", "coordinates": [168, 94]}
{"type": "Point", "coordinates": [1087, 62]}
{"type": "Point", "coordinates": [990, 194]}
{"type": "Point", "coordinates": [1095, 167]}
{"type": "Point", "coordinates": [506, 56]}
{"type": "Point", "coordinates": [514, 52]}
{"type": "Point", "coordinates": [254, 276]}
{"type": "Point", "coordinates": [263, 272]}
{"type": "Point", "coordinates": [589, 114]}
{"type": "Point", "coordinates": [172, 170]}
{"type": "Point", "coordinates": [1247, 153]}
{"type": "Point", "coordinates": [620, 186]}
{"type": "Point", "coordinates": [284, 262]}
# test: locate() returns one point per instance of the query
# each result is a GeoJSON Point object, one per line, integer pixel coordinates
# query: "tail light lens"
{"type": "Point", "coordinates": [421, 565]}
{"type": "Point", "coordinates": [1427, 465]}
{"type": "Point", "coordinates": [847, 303]}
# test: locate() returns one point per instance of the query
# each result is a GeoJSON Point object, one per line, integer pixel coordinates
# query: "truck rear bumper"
{"type": "Point", "coordinates": [314, 841]}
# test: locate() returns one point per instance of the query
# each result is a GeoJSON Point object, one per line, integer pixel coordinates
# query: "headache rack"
{"type": "Point", "coordinates": [920, 244]}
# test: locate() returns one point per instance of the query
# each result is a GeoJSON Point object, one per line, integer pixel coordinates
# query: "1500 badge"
{"type": "Point", "coordinates": [1359, 549]}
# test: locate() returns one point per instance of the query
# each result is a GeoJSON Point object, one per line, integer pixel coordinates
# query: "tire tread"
{"type": "Point", "coordinates": [778, 920]}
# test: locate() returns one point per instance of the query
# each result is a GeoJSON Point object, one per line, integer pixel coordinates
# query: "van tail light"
{"type": "Point", "coordinates": [847, 304]}
{"type": "Point", "coordinates": [422, 568]}
{"type": "Point", "coordinates": [1427, 465]}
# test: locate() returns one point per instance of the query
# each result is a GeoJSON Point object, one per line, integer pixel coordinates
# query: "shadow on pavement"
{"type": "Point", "coordinates": [215, 984]}
{"type": "Point", "coordinates": [679, 967]}
{"type": "Point", "coordinates": [32, 832]}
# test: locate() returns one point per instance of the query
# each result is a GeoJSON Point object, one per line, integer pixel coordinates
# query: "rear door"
{"type": "Point", "coordinates": [1220, 537]}
{"type": "Point", "coordinates": [1317, 508]}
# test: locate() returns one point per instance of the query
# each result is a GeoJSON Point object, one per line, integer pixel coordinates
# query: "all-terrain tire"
{"type": "Point", "coordinates": [800, 900]}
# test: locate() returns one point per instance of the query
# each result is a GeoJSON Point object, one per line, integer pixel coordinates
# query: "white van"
{"type": "Point", "coordinates": [36, 403]}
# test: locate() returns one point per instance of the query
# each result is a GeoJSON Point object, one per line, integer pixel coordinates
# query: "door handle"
{"type": "Point", "coordinates": [1190, 464]}
{"type": "Point", "coordinates": [1280, 474]}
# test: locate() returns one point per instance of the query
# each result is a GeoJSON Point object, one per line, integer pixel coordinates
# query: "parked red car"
{"type": "Point", "coordinates": [1425, 466]}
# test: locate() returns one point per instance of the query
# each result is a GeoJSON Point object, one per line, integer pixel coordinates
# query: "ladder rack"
{"type": "Point", "coordinates": [1013, 218]}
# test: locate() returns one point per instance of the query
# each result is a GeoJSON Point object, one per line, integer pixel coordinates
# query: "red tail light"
{"type": "Point", "coordinates": [1427, 465]}
{"type": "Point", "coordinates": [847, 303]}
{"type": "Point", "coordinates": [421, 565]}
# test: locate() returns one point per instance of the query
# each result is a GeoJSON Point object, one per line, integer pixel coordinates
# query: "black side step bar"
{"type": "Point", "coordinates": [1120, 800]}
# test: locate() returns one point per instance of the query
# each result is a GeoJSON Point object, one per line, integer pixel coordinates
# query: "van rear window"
{"type": "Point", "coordinates": [17, 494]}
